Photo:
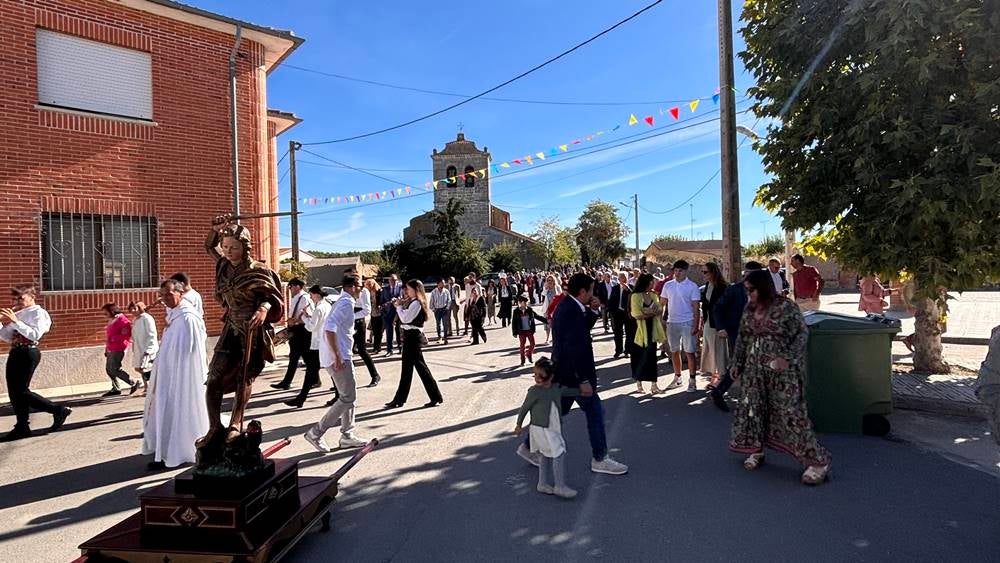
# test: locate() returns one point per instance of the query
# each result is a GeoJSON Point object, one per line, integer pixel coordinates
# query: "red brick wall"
{"type": "Point", "coordinates": [177, 170]}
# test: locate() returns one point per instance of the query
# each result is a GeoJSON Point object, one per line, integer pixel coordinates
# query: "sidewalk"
{"type": "Point", "coordinates": [971, 315]}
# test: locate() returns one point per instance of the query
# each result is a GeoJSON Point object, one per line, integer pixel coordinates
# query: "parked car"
{"type": "Point", "coordinates": [332, 293]}
{"type": "Point", "coordinates": [485, 278]}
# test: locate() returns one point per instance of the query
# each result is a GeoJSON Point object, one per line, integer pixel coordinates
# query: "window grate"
{"type": "Point", "coordinates": [93, 252]}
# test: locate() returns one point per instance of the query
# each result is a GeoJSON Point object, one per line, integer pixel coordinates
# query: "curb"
{"type": "Point", "coordinates": [938, 406]}
{"type": "Point", "coordinates": [962, 340]}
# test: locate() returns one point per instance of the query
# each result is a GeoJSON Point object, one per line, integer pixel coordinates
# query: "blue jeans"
{"type": "Point", "coordinates": [389, 325]}
{"type": "Point", "coordinates": [443, 321]}
{"type": "Point", "coordinates": [593, 409]}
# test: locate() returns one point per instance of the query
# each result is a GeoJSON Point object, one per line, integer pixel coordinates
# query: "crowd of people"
{"type": "Point", "coordinates": [751, 331]}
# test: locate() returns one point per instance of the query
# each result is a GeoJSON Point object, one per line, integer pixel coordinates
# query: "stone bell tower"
{"type": "Point", "coordinates": [460, 158]}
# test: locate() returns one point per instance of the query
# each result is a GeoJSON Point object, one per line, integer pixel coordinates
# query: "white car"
{"type": "Point", "coordinates": [332, 294]}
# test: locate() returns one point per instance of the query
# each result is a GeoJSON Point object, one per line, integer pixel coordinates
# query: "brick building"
{"type": "Point", "coordinates": [482, 220]}
{"type": "Point", "coordinates": [115, 154]}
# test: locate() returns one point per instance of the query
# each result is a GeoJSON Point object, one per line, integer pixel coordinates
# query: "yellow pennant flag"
{"type": "Point", "coordinates": [540, 155]}
{"type": "Point", "coordinates": [632, 120]}
{"type": "Point", "coordinates": [483, 172]}
{"type": "Point", "coordinates": [564, 148]}
{"type": "Point", "coordinates": [528, 158]}
{"type": "Point", "coordinates": [693, 105]}
{"type": "Point", "coordinates": [505, 165]}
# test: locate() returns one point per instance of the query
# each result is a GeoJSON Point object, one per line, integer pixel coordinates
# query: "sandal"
{"type": "Point", "coordinates": [639, 389]}
{"type": "Point", "coordinates": [816, 474]}
{"type": "Point", "coordinates": [654, 390]}
{"type": "Point", "coordinates": [753, 461]}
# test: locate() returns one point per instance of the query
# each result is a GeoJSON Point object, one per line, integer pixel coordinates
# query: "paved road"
{"type": "Point", "coordinates": [446, 485]}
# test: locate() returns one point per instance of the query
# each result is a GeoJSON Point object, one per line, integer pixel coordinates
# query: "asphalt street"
{"type": "Point", "coordinates": [445, 484]}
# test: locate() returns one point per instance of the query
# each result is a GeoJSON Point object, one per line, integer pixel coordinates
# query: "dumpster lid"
{"type": "Point", "coordinates": [823, 321]}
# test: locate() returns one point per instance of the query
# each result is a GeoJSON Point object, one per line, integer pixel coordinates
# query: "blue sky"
{"type": "Point", "coordinates": [669, 53]}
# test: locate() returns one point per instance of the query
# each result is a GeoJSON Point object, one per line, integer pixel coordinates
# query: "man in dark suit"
{"type": "Point", "coordinates": [777, 276]}
{"type": "Point", "coordinates": [622, 325]}
{"type": "Point", "coordinates": [726, 316]}
{"type": "Point", "coordinates": [573, 356]}
{"type": "Point", "coordinates": [390, 291]}
{"type": "Point", "coordinates": [602, 290]}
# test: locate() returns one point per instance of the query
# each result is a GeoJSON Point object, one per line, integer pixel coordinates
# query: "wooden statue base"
{"type": "Point", "coordinates": [259, 525]}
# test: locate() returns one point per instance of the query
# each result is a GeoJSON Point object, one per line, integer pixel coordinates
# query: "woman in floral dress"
{"type": "Point", "coordinates": [770, 365]}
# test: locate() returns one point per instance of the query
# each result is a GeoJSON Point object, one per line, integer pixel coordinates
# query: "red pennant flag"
{"type": "Point", "coordinates": [461, 176]}
{"type": "Point", "coordinates": [576, 142]}
{"type": "Point", "coordinates": [649, 120]}
{"type": "Point", "coordinates": [516, 161]}
{"type": "Point", "coordinates": [675, 112]}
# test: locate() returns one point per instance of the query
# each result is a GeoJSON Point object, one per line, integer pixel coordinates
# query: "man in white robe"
{"type": "Point", "coordinates": [176, 414]}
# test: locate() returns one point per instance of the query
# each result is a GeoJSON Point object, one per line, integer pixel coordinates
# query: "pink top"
{"type": "Point", "coordinates": [119, 334]}
{"type": "Point", "coordinates": [872, 295]}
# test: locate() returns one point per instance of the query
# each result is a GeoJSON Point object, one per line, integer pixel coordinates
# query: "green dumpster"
{"type": "Point", "coordinates": [849, 385]}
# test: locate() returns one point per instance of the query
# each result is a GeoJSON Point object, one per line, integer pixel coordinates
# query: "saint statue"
{"type": "Point", "coordinates": [251, 298]}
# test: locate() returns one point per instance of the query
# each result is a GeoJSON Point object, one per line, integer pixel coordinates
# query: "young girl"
{"type": "Point", "coordinates": [545, 434]}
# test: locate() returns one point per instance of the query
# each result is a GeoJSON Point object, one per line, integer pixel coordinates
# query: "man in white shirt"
{"type": "Point", "coordinates": [681, 298]}
{"type": "Point", "coordinates": [441, 304]}
{"type": "Point", "coordinates": [191, 296]}
{"type": "Point", "coordinates": [298, 336]}
{"type": "Point", "coordinates": [335, 355]}
{"type": "Point", "coordinates": [362, 311]}
{"type": "Point", "coordinates": [23, 327]}
{"type": "Point", "coordinates": [777, 276]}
{"type": "Point", "coordinates": [456, 298]}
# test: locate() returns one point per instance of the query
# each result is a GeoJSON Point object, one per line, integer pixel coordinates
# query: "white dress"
{"type": "Point", "coordinates": [175, 402]}
{"type": "Point", "coordinates": [548, 441]}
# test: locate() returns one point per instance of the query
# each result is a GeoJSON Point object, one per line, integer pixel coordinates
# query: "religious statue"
{"type": "Point", "coordinates": [251, 298]}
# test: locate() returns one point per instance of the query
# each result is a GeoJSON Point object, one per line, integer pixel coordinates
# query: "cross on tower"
{"type": "Point", "coordinates": [460, 126]}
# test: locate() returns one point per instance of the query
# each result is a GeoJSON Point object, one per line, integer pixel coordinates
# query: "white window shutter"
{"type": "Point", "coordinates": [91, 76]}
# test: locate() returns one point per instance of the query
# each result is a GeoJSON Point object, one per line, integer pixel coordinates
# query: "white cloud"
{"type": "Point", "coordinates": [688, 227]}
{"type": "Point", "coordinates": [354, 224]}
{"type": "Point", "coordinates": [634, 176]}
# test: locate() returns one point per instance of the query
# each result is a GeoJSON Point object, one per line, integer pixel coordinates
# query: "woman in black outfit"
{"type": "Point", "coordinates": [506, 294]}
{"type": "Point", "coordinates": [413, 313]}
{"type": "Point", "coordinates": [477, 314]}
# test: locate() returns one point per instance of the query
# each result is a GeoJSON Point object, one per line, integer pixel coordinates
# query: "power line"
{"type": "Point", "coordinates": [495, 88]}
{"type": "Point", "coordinates": [365, 169]}
{"type": "Point", "coordinates": [488, 98]}
{"type": "Point", "coordinates": [361, 170]}
{"type": "Point", "coordinates": [282, 158]}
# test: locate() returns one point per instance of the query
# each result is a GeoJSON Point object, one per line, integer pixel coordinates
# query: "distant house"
{"type": "Point", "coordinates": [666, 252]}
{"type": "Point", "coordinates": [286, 254]}
{"type": "Point", "coordinates": [330, 271]}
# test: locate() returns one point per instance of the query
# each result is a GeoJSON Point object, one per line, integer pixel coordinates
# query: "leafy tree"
{"type": "Point", "coordinates": [771, 245]}
{"type": "Point", "coordinates": [600, 233]}
{"type": "Point", "coordinates": [886, 148]}
{"type": "Point", "coordinates": [465, 256]}
{"type": "Point", "coordinates": [504, 257]}
{"type": "Point", "coordinates": [557, 244]}
{"type": "Point", "coordinates": [450, 251]}
{"type": "Point", "coordinates": [398, 257]}
{"type": "Point", "coordinates": [295, 270]}
{"type": "Point", "coordinates": [668, 238]}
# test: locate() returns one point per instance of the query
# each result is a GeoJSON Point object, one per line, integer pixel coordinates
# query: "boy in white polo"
{"type": "Point", "coordinates": [681, 299]}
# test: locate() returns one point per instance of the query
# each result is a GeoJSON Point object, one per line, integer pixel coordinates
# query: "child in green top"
{"type": "Point", "coordinates": [543, 401]}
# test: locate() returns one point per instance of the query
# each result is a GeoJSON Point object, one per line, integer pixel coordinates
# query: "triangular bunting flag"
{"type": "Point", "coordinates": [384, 194]}
{"type": "Point", "coordinates": [515, 161]}
{"type": "Point", "coordinates": [564, 148]}
{"type": "Point", "coordinates": [632, 120]}
{"type": "Point", "coordinates": [715, 99]}
{"type": "Point", "coordinates": [553, 152]}
{"type": "Point", "coordinates": [505, 165]}
{"type": "Point", "coordinates": [590, 137]}
{"type": "Point", "coordinates": [599, 133]}
{"type": "Point", "coordinates": [407, 189]}
{"type": "Point", "coordinates": [617, 127]}
{"type": "Point", "coordinates": [649, 120]}
{"type": "Point", "coordinates": [575, 142]}
{"type": "Point", "coordinates": [393, 192]}
{"type": "Point", "coordinates": [675, 112]}
{"type": "Point", "coordinates": [528, 159]}
{"type": "Point", "coordinates": [496, 169]}
{"type": "Point", "coordinates": [540, 155]}
{"type": "Point", "coordinates": [483, 172]}
{"type": "Point", "coordinates": [693, 105]}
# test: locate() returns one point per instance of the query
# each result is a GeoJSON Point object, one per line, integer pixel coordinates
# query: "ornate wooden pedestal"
{"type": "Point", "coordinates": [174, 524]}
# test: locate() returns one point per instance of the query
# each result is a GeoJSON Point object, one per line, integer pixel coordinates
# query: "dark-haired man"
{"type": "Point", "coordinates": [298, 336]}
{"type": "Point", "coordinates": [807, 284]}
{"type": "Point", "coordinates": [681, 299]}
{"type": "Point", "coordinates": [573, 355]}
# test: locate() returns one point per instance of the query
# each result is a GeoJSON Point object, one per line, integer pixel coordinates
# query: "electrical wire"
{"type": "Point", "coordinates": [495, 88]}
{"type": "Point", "coordinates": [365, 169]}
{"type": "Point", "coordinates": [361, 170]}
{"type": "Point", "coordinates": [282, 158]}
{"type": "Point", "coordinates": [489, 98]}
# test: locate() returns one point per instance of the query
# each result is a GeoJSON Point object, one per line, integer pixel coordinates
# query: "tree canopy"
{"type": "Point", "coordinates": [600, 233]}
{"type": "Point", "coordinates": [504, 257]}
{"type": "Point", "coordinates": [557, 243]}
{"type": "Point", "coordinates": [771, 245]}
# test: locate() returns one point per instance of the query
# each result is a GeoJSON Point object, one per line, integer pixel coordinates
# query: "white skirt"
{"type": "Point", "coordinates": [548, 441]}
{"type": "Point", "coordinates": [715, 352]}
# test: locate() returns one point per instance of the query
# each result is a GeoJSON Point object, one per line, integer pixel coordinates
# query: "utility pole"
{"type": "Point", "coordinates": [691, 207]}
{"type": "Point", "coordinates": [294, 195]}
{"type": "Point", "coordinates": [635, 201]}
{"type": "Point", "coordinates": [731, 248]}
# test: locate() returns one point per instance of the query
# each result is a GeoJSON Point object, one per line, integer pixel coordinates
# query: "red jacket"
{"type": "Point", "coordinates": [119, 334]}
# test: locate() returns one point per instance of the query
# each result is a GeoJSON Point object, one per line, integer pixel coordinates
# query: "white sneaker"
{"type": "Point", "coordinates": [692, 385]}
{"type": "Point", "coordinates": [608, 466]}
{"type": "Point", "coordinates": [546, 489]}
{"type": "Point", "coordinates": [526, 455]}
{"type": "Point", "coordinates": [318, 443]}
{"type": "Point", "coordinates": [351, 441]}
{"type": "Point", "coordinates": [675, 383]}
{"type": "Point", "coordinates": [564, 492]}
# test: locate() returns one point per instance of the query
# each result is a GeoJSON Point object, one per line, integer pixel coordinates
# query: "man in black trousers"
{"type": "Point", "coordinates": [363, 310]}
{"type": "Point", "coordinates": [602, 291]}
{"type": "Point", "coordinates": [622, 324]}
{"type": "Point", "coordinates": [299, 339]}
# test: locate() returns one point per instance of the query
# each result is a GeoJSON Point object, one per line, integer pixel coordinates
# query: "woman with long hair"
{"type": "Point", "coordinates": [770, 366]}
{"type": "Point", "coordinates": [413, 313]}
{"type": "Point", "coordinates": [645, 308]}
{"type": "Point", "coordinates": [491, 302]}
{"type": "Point", "coordinates": [715, 348]}
{"type": "Point", "coordinates": [549, 292]}
{"type": "Point", "coordinates": [477, 315]}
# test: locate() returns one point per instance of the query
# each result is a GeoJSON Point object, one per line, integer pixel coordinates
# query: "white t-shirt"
{"type": "Point", "coordinates": [680, 296]}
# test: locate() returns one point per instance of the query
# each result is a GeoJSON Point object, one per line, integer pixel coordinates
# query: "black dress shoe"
{"type": "Point", "coordinates": [156, 466]}
{"type": "Point", "coordinates": [59, 418]}
{"type": "Point", "coordinates": [393, 405]}
{"type": "Point", "coordinates": [434, 403]}
{"type": "Point", "coordinates": [280, 386]}
{"type": "Point", "coordinates": [134, 387]}
{"type": "Point", "coordinates": [112, 393]}
{"type": "Point", "coordinates": [294, 403]}
{"type": "Point", "coordinates": [332, 401]}
{"type": "Point", "coordinates": [16, 434]}
{"type": "Point", "coordinates": [718, 400]}
{"type": "Point", "coordinates": [375, 380]}
{"type": "Point", "coordinates": [314, 385]}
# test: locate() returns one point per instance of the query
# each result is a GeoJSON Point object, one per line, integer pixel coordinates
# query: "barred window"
{"type": "Point", "coordinates": [98, 252]}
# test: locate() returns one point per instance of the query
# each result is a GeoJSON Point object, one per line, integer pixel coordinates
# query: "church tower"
{"type": "Point", "coordinates": [454, 167]}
